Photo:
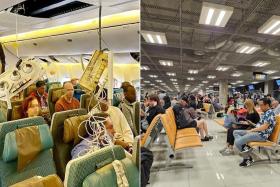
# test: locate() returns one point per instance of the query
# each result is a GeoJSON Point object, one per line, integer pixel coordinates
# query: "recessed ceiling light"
{"type": "Point", "coordinates": [211, 76]}
{"type": "Point", "coordinates": [153, 76]}
{"type": "Point", "coordinates": [190, 78]}
{"type": "Point", "coordinates": [270, 71]}
{"type": "Point", "coordinates": [166, 62]}
{"type": "Point", "coordinates": [271, 26]}
{"type": "Point", "coordinates": [248, 48]}
{"type": "Point", "coordinates": [173, 80]}
{"type": "Point", "coordinates": [154, 37]}
{"type": "Point", "coordinates": [236, 74]}
{"type": "Point", "coordinates": [261, 63]}
{"type": "Point", "coordinates": [145, 68]}
{"type": "Point", "coordinates": [193, 71]}
{"type": "Point", "coordinates": [171, 74]}
{"type": "Point", "coordinates": [158, 80]}
{"type": "Point", "coordinates": [214, 14]}
{"type": "Point", "coordinates": [222, 68]}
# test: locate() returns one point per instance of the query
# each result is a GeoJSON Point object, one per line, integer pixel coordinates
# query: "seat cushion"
{"type": "Point", "coordinates": [187, 142]}
{"type": "Point", "coordinates": [42, 165]}
{"type": "Point", "coordinates": [186, 132]}
{"type": "Point", "coordinates": [106, 175]}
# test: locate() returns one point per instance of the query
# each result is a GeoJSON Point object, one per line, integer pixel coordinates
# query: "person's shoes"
{"type": "Point", "coordinates": [246, 162]}
{"type": "Point", "coordinates": [205, 139]}
{"type": "Point", "coordinates": [228, 152]}
{"type": "Point", "coordinates": [210, 137]}
{"type": "Point", "coordinates": [246, 149]}
{"type": "Point", "coordinates": [223, 150]}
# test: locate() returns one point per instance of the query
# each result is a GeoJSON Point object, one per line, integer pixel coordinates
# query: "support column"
{"type": "Point", "coordinates": [223, 92]}
{"type": "Point", "coordinates": [268, 87]}
{"type": "Point", "coordinates": [110, 77]}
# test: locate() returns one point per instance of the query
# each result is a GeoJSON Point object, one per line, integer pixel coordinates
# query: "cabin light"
{"type": "Point", "coordinates": [270, 71]}
{"type": "Point", "coordinates": [248, 49]}
{"type": "Point", "coordinates": [166, 62]}
{"type": "Point", "coordinates": [261, 63]}
{"type": "Point", "coordinates": [193, 71]}
{"type": "Point", "coordinates": [154, 37]}
{"type": "Point", "coordinates": [215, 14]}
{"type": "Point", "coordinates": [271, 26]}
{"type": "Point", "coordinates": [145, 68]}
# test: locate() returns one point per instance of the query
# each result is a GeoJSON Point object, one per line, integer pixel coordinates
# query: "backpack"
{"type": "Point", "coordinates": [183, 118]}
{"type": "Point", "coordinates": [147, 159]}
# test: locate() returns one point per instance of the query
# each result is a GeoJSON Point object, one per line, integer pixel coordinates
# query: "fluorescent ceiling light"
{"type": "Point", "coordinates": [236, 74]}
{"type": "Point", "coordinates": [222, 68]}
{"type": "Point", "coordinates": [239, 81]}
{"type": "Point", "coordinates": [187, 85]}
{"type": "Point", "coordinates": [248, 48]}
{"type": "Point", "coordinates": [190, 78]}
{"type": "Point", "coordinates": [216, 84]}
{"type": "Point", "coordinates": [175, 83]}
{"type": "Point", "coordinates": [153, 76]}
{"type": "Point", "coordinates": [152, 84]}
{"type": "Point", "coordinates": [171, 74]}
{"type": "Point", "coordinates": [254, 82]}
{"type": "Point", "coordinates": [270, 71]}
{"type": "Point", "coordinates": [234, 83]}
{"type": "Point", "coordinates": [166, 62]}
{"type": "Point", "coordinates": [158, 80]}
{"type": "Point", "coordinates": [205, 82]}
{"type": "Point", "coordinates": [261, 63]}
{"type": "Point", "coordinates": [215, 14]}
{"type": "Point", "coordinates": [173, 79]}
{"type": "Point", "coordinates": [271, 26]}
{"type": "Point", "coordinates": [154, 37]}
{"type": "Point", "coordinates": [211, 76]}
{"type": "Point", "coordinates": [201, 84]}
{"type": "Point", "coordinates": [163, 83]}
{"type": "Point", "coordinates": [193, 71]}
{"type": "Point", "coordinates": [241, 85]}
{"type": "Point", "coordinates": [275, 77]}
{"type": "Point", "coordinates": [147, 81]}
{"type": "Point", "coordinates": [145, 68]}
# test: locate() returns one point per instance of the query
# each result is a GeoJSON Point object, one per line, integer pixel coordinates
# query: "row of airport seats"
{"type": "Point", "coordinates": [84, 171]}
{"type": "Point", "coordinates": [176, 139]}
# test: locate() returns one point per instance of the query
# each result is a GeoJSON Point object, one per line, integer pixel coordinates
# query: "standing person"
{"type": "Point", "coordinates": [67, 101]}
{"type": "Point", "coordinates": [261, 133]}
{"type": "Point", "coordinates": [127, 106]}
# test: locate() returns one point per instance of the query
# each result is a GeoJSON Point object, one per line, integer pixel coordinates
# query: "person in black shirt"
{"type": "Point", "coordinates": [154, 109]}
{"type": "Point", "coordinates": [252, 118]}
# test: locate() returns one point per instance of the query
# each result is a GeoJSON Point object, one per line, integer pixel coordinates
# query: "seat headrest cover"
{"type": "Point", "coordinates": [56, 94]}
{"type": "Point", "coordinates": [10, 151]}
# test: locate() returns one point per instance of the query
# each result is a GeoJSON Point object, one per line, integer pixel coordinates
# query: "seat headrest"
{"type": "Point", "coordinates": [56, 94]}
{"type": "Point", "coordinates": [10, 151]}
{"type": "Point", "coordinates": [72, 130]}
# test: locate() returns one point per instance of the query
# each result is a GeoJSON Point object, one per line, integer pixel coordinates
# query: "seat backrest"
{"type": "Point", "coordinates": [275, 134]}
{"type": "Point", "coordinates": [86, 100]}
{"type": "Point", "coordinates": [171, 115]}
{"type": "Point", "coordinates": [78, 169]}
{"type": "Point", "coordinates": [10, 126]}
{"type": "Point", "coordinates": [61, 151]}
{"type": "Point", "coordinates": [16, 110]}
{"type": "Point", "coordinates": [53, 85]}
{"type": "Point", "coordinates": [53, 95]}
{"type": "Point", "coordinates": [151, 131]}
{"type": "Point", "coordinates": [28, 90]}
{"type": "Point", "coordinates": [169, 129]}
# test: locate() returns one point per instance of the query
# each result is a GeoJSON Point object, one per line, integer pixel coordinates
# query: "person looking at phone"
{"type": "Point", "coordinates": [251, 119]}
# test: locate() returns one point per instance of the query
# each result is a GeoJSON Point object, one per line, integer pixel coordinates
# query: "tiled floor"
{"type": "Point", "coordinates": [210, 168]}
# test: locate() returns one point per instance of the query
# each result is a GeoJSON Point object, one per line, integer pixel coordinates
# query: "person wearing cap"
{"type": "Point", "coordinates": [41, 94]}
{"type": "Point", "coordinates": [187, 117]}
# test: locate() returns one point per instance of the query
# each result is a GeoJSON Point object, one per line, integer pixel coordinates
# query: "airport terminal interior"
{"type": "Point", "coordinates": [130, 93]}
{"type": "Point", "coordinates": [222, 59]}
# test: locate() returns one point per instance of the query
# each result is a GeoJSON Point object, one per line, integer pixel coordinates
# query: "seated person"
{"type": "Point", "coordinates": [120, 124]}
{"type": "Point", "coordinates": [154, 109]}
{"type": "Point", "coordinates": [85, 145]}
{"type": "Point", "coordinates": [67, 101]}
{"type": "Point", "coordinates": [252, 117]}
{"type": "Point", "coordinates": [260, 134]}
{"type": "Point", "coordinates": [41, 94]}
{"type": "Point", "coordinates": [186, 117]}
{"type": "Point", "coordinates": [30, 107]}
